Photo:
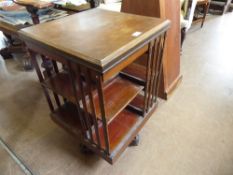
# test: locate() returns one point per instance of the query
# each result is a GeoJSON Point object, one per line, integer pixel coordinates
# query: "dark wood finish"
{"type": "Point", "coordinates": [115, 102]}
{"type": "Point", "coordinates": [136, 72]}
{"type": "Point", "coordinates": [130, 59]}
{"type": "Point", "coordinates": [61, 84]}
{"type": "Point", "coordinates": [150, 8]}
{"type": "Point", "coordinates": [66, 117]}
{"type": "Point", "coordinates": [165, 9]}
{"type": "Point", "coordinates": [41, 79]}
{"type": "Point", "coordinates": [111, 107]}
{"type": "Point", "coordinates": [118, 129]}
{"type": "Point", "coordinates": [93, 50]}
{"type": "Point", "coordinates": [138, 103]}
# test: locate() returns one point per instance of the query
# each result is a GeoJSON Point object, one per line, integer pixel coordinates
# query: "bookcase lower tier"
{"type": "Point", "coordinates": [122, 130]}
{"type": "Point", "coordinates": [118, 93]}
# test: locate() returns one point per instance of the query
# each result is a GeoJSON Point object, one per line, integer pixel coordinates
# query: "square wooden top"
{"type": "Point", "coordinates": [98, 37]}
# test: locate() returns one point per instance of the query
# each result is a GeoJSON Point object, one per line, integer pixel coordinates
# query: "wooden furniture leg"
{"type": "Point", "coordinates": [85, 150]}
{"type": "Point", "coordinates": [35, 19]}
{"type": "Point", "coordinates": [183, 35]}
{"type": "Point", "coordinates": [136, 140]}
{"type": "Point", "coordinates": [206, 9]}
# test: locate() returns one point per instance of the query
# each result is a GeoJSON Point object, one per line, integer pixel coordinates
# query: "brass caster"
{"type": "Point", "coordinates": [135, 141]}
{"type": "Point", "coordinates": [85, 150]}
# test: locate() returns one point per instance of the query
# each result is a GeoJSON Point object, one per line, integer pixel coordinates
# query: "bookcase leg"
{"type": "Point", "coordinates": [27, 64]}
{"type": "Point", "coordinates": [85, 150]}
{"type": "Point", "coordinates": [135, 141]}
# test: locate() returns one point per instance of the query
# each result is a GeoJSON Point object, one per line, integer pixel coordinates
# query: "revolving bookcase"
{"type": "Point", "coordinates": [96, 90]}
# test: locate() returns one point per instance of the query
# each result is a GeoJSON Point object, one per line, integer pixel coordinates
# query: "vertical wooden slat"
{"type": "Point", "coordinates": [46, 64]}
{"type": "Point", "coordinates": [102, 110]}
{"type": "Point", "coordinates": [48, 68]}
{"type": "Point", "coordinates": [56, 99]}
{"type": "Point", "coordinates": [148, 78]}
{"type": "Point", "coordinates": [90, 89]}
{"type": "Point", "coordinates": [56, 70]}
{"type": "Point", "coordinates": [74, 88]}
{"type": "Point", "coordinates": [54, 94]}
{"type": "Point", "coordinates": [65, 100]}
{"type": "Point", "coordinates": [155, 68]}
{"type": "Point", "coordinates": [41, 79]}
{"type": "Point", "coordinates": [83, 97]}
{"type": "Point", "coordinates": [160, 66]}
{"type": "Point", "coordinates": [55, 66]}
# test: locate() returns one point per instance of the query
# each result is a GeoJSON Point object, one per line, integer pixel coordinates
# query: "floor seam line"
{"type": "Point", "coordinates": [13, 155]}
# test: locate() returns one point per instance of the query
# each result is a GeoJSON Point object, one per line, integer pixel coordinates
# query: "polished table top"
{"type": "Point", "coordinates": [97, 36]}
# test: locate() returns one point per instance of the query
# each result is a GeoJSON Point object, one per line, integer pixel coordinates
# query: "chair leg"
{"type": "Point", "coordinates": [206, 8]}
{"type": "Point", "coordinates": [183, 36]}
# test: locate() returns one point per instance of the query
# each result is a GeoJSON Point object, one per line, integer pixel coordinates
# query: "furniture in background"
{"type": "Point", "coordinates": [221, 5]}
{"type": "Point", "coordinates": [231, 6]}
{"type": "Point", "coordinates": [165, 9]}
{"type": "Point", "coordinates": [186, 16]}
{"type": "Point", "coordinates": [33, 8]}
{"type": "Point", "coordinates": [201, 11]}
{"type": "Point", "coordinates": [96, 97]}
{"type": "Point", "coordinates": [10, 30]}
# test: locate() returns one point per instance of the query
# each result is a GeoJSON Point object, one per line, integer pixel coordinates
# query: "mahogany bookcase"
{"type": "Point", "coordinates": [165, 9]}
{"type": "Point", "coordinates": [96, 90]}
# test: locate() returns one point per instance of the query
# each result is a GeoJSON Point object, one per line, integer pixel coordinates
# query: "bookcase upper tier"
{"type": "Point", "coordinates": [96, 37]}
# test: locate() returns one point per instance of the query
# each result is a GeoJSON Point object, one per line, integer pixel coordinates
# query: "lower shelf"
{"type": "Point", "coordinates": [137, 104]}
{"type": "Point", "coordinates": [118, 129]}
{"type": "Point", "coordinates": [118, 93]}
{"type": "Point", "coordinates": [135, 72]}
{"type": "Point", "coordinates": [121, 131]}
{"type": "Point", "coordinates": [67, 117]}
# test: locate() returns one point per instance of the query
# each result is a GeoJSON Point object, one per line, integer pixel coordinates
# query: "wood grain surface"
{"type": "Point", "coordinates": [95, 36]}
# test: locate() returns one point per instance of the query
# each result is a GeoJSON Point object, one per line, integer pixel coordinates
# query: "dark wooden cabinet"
{"type": "Point", "coordinates": [166, 9]}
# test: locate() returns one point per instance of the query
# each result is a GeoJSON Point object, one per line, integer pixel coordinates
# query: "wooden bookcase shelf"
{"type": "Point", "coordinates": [66, 116]}
{"type": "Point", "coordinates": [137, 104]}
{"type": "Point", "coordinates": [114, 102]}
{"type": "Point", "coordinates": [61, 84]}
{"type": "Point", "coordinates": [135, 72]}
{"type": "Point", "coordinates": [107, 113]}
{"type": "Point", "coordinates": [119, 129]}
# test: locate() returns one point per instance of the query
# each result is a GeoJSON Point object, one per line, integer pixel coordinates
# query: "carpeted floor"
{"type": "Point", "coordinates": [190, 134]}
